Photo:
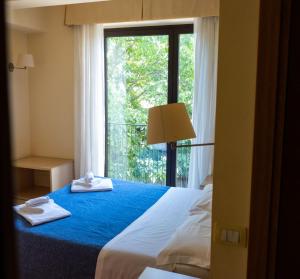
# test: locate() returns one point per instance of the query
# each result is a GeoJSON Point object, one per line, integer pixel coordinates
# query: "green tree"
{"type": "Point", "coordinates": [137, 74]}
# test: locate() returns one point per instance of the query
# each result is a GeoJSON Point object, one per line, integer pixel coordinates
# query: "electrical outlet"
{"type": "Point", "coordinates": [230, 235]}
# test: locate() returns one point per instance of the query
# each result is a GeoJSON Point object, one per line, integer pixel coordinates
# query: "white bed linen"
{"type": "Point", "coordinates": [138, 246]}
{"type": "Point", "coordinates": [190, 244]}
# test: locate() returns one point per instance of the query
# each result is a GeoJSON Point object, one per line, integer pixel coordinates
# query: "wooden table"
{"type": "Point", "coordinates": [37, 176]}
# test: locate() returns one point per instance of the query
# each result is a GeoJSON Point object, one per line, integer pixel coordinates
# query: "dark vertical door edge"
{"type": "Point", "coordinates": [8, 263]}
{"type": "Point", "coordinates": [287, 252]}
{"type": "Point", "coordinates": [270, 112]}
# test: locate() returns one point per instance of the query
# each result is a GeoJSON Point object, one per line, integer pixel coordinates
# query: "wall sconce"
{"type": "Point", "coordinates": [24, 61]}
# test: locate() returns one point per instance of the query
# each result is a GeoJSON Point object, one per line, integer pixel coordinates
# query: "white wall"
{"type": "Point", "coordinates": [51, 87]}
{"type": "Point", "coordinates": [26, 20]}
{"type": "Point", "coordinates": [19, 97]}
{"type": "Point", "coordinates": [42, 97]}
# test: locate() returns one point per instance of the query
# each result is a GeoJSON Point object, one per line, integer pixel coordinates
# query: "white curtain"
{"type": "Point", "coordinates": [204, 102]}
{"type": "Point", "coordinates": [89, 100]}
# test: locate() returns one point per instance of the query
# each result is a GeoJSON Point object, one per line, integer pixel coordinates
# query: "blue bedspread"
{"type": "Point", "coordinates": [68, 248]}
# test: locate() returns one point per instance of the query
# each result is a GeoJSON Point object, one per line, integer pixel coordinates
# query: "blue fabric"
{"type": "Point", "coordinates": [69, 247]}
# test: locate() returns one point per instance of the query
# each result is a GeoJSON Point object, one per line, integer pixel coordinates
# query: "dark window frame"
{"type": "Point", "coordinates": [174, 32]}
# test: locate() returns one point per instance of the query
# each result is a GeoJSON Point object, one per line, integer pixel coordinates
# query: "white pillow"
{"type": "Point", "coordinates": [204, 202]}
{"type": "Point", "coordinates": [190, 243]}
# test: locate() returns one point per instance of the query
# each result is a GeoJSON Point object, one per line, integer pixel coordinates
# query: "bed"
{"type": "Point", "coordinates": [120, 231]}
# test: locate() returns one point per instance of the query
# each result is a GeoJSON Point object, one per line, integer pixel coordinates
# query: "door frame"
{"type": "Point", "coordinates": [270, 113]}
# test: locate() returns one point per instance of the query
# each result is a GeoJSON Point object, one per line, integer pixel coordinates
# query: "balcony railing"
{"type": "Point", "coordinates": [130, 158]}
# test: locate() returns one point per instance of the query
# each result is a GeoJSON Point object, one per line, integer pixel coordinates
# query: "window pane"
{"type": "Point", "coordinates": [185, 95]}
{"type": "Point", "coordinates": [137, 79]}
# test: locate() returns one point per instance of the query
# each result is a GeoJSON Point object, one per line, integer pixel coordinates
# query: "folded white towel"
{"type": "Point", "coordinates": [37, 201]}
{"type": "Point", "coordinates": [99, 184]}
{"type": "Point", "coordinates": [83, 182]}
{"type": "Point", "coordinates": [89, 177]}
{"type": "Point", "coordinates": [43, 213]}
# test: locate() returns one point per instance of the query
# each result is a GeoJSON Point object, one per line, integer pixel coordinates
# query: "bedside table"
{"type": "Point", "coordinates": [37, 176]}
{"type": "Point", "coordinates": [153, 273]}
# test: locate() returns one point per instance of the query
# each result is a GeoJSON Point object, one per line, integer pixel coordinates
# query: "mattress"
{"type": "Point", "coordinates": [68, 248]}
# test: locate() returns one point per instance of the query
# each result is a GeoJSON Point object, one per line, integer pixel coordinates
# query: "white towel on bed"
{"type": "Point", "coordinates": [98, 184]}
{"type": "Point", "coordinates": [37, 201]}
{"type": "Point", "coordinates": [88, 180]}
{"type": "Point", "coordinates": [43, 213]}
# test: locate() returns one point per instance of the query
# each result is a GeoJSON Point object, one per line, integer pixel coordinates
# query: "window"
{"type": "Point", "coordinates": [146, 67]}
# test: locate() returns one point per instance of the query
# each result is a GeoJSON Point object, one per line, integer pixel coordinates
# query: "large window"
{"type": "Point", "coordinates": [146, 67]}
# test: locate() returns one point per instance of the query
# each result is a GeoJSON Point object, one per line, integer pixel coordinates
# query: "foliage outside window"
{"type": "Point", "coordinates": [137, 79]}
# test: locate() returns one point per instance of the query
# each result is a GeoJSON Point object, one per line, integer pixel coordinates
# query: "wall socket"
{"type": "Point", "coordinates": [230, 235]}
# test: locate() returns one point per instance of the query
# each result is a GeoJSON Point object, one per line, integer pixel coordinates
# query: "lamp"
{"type": "Point", "coordinates": [170, 123]}
{"type": "Point", "coordinates": [24, 61]}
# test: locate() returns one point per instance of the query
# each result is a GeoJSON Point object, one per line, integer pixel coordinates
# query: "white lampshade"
{"type": "Point", "coordinates": [25, 60]}
{"type": "Point", "coordinates": [169, 123]}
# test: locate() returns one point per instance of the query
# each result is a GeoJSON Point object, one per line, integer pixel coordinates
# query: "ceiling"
{"type": "Point", "coordinates": [23, 4]}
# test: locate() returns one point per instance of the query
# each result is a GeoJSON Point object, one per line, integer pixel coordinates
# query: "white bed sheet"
{"type": "Point", "coordinates": [138, 246]}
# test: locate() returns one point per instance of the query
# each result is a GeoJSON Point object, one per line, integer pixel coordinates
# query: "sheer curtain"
{"type": "Point", "coordinates": [204, 101]}
{"type": "Point", "coordinates": [89, 100]}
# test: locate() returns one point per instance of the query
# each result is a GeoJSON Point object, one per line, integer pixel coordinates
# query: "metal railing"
{"type": "Point", "coordinates": [130, 158]}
